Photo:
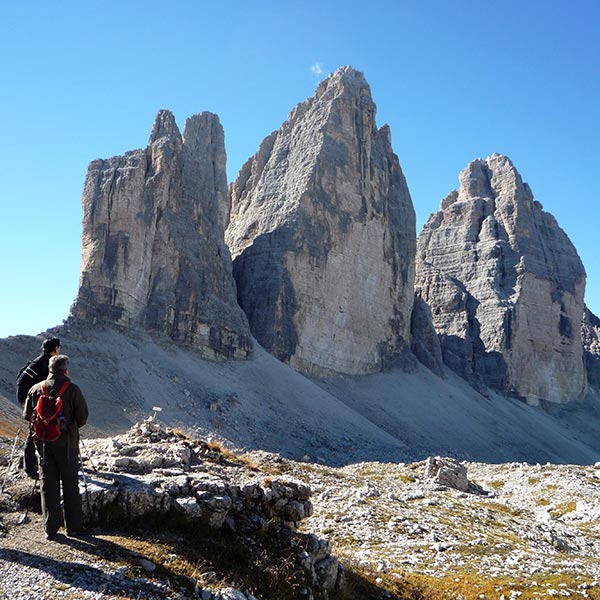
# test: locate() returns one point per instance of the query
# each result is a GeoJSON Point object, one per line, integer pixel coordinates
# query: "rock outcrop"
{"type": "Point", "coordinates": [153, 469]}
{"type": "Point", "coordinates": [153, 474]}
{"type": "Point", "coordinates": [590, 334]}
{"type": "Point", "coordinates": [505, 286]}
{"type": "Point", "coordinates": [322, 233]}
{"type": "Point", "coordinates": [153, 252]}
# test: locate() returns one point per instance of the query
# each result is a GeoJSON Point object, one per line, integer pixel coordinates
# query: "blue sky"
{"type": "Point", "coordinates": [454, 80]}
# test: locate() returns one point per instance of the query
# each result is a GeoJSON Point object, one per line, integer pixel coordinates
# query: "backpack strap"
{"type": "Point", "coordinates": [63, 389]}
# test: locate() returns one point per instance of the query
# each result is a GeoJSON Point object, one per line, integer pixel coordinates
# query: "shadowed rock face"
{"type": "Point", "coordinates": [153, 252]}
{"type": "Point", "coordinates": [590, 334]}
{"type": "Point", "coordinates": [322, 233]}
{"type": "Point", "coordinates": [505, 286]}
{"type": "Point", "coordinates": [425, 342]}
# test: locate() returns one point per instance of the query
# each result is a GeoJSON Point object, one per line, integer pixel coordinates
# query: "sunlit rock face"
{"type": "Point", "coordinates": [322, 233]}
{"type": "Point", "coordinates": [505, 286]}
{"type": "Point", "coordinates": [153, 252]}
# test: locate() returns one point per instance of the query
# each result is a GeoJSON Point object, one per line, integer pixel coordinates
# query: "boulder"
{"type": "Point", "coordinates": [505, 286]}
{"type": "Point", "coordinates": [447, 472]}
{"type": "Point", "coordinates": [322, 233]}
{"type": "Point", "coordinates": [153, 252]}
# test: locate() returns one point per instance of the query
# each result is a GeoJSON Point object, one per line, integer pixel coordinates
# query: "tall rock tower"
{"type": "Point", "coordinates": [505, 286]}
{"type": "Point", "coordinates": [322, 233]}
{"type": "Point", "coordinates": [154, 255]}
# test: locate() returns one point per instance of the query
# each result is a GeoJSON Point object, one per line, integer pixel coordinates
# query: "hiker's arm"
{"type": "Point", "coordinates": [81, 409]}
{"type": "Point", "coordinates": [28, 407]}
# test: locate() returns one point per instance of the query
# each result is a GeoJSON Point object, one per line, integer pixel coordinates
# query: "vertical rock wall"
{"type": "Point", "coordinates": [322, 233]}
{"type": "Point", "coordinates": [153, 253]}
{"type": "Point", "coordinates": [590, 334]}
{"type": "Point", "coordinates": [505, 286]}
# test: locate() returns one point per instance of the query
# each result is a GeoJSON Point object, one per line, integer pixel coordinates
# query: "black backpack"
{"type": "Point", "coordinates": [31, 373]}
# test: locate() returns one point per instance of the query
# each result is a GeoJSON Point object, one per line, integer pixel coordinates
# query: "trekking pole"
{"type": "Point", "coordinates": [85, 485]}
{"type": "Point", "coordinates": [12, 454]}
{"type": "Point", "coordinates": [88, 456]}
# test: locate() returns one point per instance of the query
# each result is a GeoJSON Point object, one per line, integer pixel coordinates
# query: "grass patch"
{"type": "Point", "coordinates": [563, 508]}
{"type": "Point", "coordinates": [406, 478]}
{"type": "Point", "coordinates": [217, 447]}
{"type": "Point", "coordinates": [264, 565]}
{"type": "Point", "coordinates": [496, 485]}
{"type": "Point", "coordinates": [502, 508]}
{"type": "Point", "coordinates": [461, 585]}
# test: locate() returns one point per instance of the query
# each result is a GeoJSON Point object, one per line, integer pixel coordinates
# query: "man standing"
{"type": "Point", "coordinates": [34, 372]}
{"type": "Point", "coordinates": [60, 458]}
{"type": "Point", "coordinates": [37, 369]}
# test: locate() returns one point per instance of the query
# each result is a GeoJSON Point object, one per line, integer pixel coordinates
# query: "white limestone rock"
{"type": "Point", "coordinates": [448, 472]}
{"type": "Point", "coordinates": [322, 233]}
{"type": "Point", "coordinates": [153, 253]}
{"type": "Point", "coordinates": [505, 286]}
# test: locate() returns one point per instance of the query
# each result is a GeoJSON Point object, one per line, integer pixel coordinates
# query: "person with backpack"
{"type": "Point", "coordinates": [56, 409]}
{"type": "Point", "coordinates": [36, 370]}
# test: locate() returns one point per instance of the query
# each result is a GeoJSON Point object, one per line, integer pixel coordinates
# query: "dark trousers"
{"type": "Point", "coordinates": [60, 465]}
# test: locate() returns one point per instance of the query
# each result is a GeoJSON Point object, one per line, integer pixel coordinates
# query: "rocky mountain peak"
{"type": "Point", "coordinates": [164, 127]}
{"type": "Point", "coordinates": [505, 286]}
{"type": "Point", "coordinates": [322, 236]}
{"type": "Point", "coordinates": [153, 252]}
{"type": "Point", "coordinates": [475, 181]}
{"type": "Point", "coordinates": [346, 80]}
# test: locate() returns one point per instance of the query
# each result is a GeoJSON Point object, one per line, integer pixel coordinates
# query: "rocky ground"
{"type": "Point", "coordinates": [399, 530]}
{"type": "Point", "coordinates": [520, 529]}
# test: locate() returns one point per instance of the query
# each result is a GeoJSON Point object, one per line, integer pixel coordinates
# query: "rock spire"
{"type": "Point", "coordinates": [153, 252]}
{"type": "Point", "coordinates": [322, 233]}
{"type": "Point", "coordinates": [505, 286]}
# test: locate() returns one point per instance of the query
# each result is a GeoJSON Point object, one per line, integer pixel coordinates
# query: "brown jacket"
{"type": "Point", "coordinates": [75, 407]}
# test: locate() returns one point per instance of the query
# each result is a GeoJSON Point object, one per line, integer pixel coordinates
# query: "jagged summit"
{"type": "Point", "coordinates": [164, 127]}
{"type": "Point", "coordinates": [322, 235]}
{"type": "Point", "coordinates": [153, 254]}
{"type": "Point", "coordinates": [345, 78]}
{"type": "Point", "coordinates": [505, 286]}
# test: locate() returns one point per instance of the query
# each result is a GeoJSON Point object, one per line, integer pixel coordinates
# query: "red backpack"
{"type": "Point", "coordinates": [47, 420]}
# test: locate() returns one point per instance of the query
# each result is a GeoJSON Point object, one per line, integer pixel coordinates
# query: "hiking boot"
{"type": "Point", "coordinates": [79, 533]}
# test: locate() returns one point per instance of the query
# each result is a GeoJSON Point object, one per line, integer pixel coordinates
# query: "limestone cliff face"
{"type": "Point", "coordinates": [425, 342]}
{"type": "Point", "coordinates": [153, 252]}
{"type": "Point", "coordinates": [505, 286]}
{"type": "Point", "coordinates": [590, 334]}
{"type": "Point", "coordinates": [322, 233]}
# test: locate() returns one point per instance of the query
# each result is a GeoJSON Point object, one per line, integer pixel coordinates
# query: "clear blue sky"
{"type": "Point", "coordinates": [454, 80]}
